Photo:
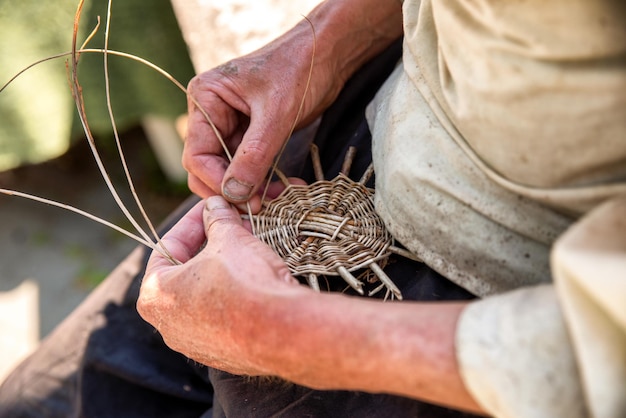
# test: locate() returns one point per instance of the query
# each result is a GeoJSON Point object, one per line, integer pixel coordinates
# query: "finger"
{"type": "Point", "coordinates": [200, 131]}
{"type": "Point", "coordinates": [254, 157]}
{"type": "Point", "coordinates": [252, 206]}
{"type": "Point", "coordinates": [218, 212]}
{"type": "Point", "coordinates": [211, 135]}
{"type": "Point", "coordinates": [203, 156]}
{"type": "Point", "coordinates": [183, 241]}
{"type": "Point", "coordinates": [199, 187]}
{"type": "Point", "coordinates": [222, 222]}
{"type": "Point", "coordinates": [217, 117]}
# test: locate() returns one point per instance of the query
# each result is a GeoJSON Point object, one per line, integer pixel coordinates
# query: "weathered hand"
{"type": "Point", "coordinates": [253, 101]}
{"type": "Point", "coordinates": [217, 306]}
{"type": "Point", "coordinates": [233, 305]}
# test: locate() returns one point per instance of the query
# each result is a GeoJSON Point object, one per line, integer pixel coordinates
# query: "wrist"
{"type": "Point", "coordinates": [351, 32]}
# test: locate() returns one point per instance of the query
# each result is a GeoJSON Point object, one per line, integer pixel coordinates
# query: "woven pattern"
{"type": "Point", "coordinates": [324, 226]}
{"type": "Point", "coordinates": [330, 228]}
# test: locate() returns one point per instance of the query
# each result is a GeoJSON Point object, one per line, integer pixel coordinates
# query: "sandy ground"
{"type": "Point", "coordinates": [50, 258]}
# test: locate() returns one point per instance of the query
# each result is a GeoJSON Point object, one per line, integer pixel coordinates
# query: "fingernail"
{"type": "Point", "coordinates": [216, 202]}
{"type": "Point", "coordinates": [237, 191]}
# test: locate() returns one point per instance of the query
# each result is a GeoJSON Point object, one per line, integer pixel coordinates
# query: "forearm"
{"type": "Point", "coordinates": [235, 306]}
{"type": "Point", "coordinates": [354, 31]}
{"type": "Point", "coordinates": [334, 342]}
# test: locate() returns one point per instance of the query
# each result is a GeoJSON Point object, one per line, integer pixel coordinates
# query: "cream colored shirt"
{"type": "Point", "coordinates": [504, 127]}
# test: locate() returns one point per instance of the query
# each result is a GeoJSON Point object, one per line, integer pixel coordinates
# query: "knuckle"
{"type": "Point", "coordinates": [195, 82]}
{"type": "Point", "coordinates": [149, 294]}
{"type": "Point", "coordinates": [218, 218]}
{"type": "Point", "coordinates": [144, 307]}
{"type": "Point", "coordinates": [188, 161]}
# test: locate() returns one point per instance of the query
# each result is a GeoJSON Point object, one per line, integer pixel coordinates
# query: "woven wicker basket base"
{"type": "Point", "coordinates": [330, 228]}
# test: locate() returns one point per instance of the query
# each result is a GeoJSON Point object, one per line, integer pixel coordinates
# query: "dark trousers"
{"type": "Point", "coordinates": [105, 361]}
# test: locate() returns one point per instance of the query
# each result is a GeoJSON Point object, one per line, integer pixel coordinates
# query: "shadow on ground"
{"type": "Point", "coordinates": [50, 258]}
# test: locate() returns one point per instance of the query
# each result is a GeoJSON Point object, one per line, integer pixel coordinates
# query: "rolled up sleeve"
{"type": "Point", "coordinates": [556, 350]}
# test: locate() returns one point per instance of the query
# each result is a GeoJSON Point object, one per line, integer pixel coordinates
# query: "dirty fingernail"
{"type": "Point", "coordinates": [216, 202]}
{"type": "Point", "coordinates": [235, 190]}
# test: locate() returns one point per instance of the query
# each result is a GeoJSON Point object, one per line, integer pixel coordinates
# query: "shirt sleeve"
{"type": "Point", "coordinates": [556, 350]}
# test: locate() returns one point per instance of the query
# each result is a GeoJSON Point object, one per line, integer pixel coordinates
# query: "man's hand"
{"type": "Point", "coordinates": [254, 100]}
{"type": "Point", "coordinates": [233, 305]}
{"type": "Point", "coordinates": [215, 307]}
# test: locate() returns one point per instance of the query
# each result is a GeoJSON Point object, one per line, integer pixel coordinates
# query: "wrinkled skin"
{"type": "Point", "coordinates": [253, 114]}
{"type": "Point", "coordinates": [167, 292]}
{"type": "Point", "coordinates": [233, 304]}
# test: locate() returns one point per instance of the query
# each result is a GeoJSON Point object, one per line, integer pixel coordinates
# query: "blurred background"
{"type": "Point", "coordinates": [50, 259]}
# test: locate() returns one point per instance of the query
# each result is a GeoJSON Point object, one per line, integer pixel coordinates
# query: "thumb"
{"type": "Point", "coordinates": [253, 159]}
{"type": "Point", "coordinates": [219, 213]}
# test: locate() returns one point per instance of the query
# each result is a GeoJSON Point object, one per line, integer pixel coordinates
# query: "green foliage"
{"type": "Point", "coordinates": [35, 111]}
{"type": "Point", "coordinates": [149, 30]}
{"type": "Point", "coordinates": [37, 118]}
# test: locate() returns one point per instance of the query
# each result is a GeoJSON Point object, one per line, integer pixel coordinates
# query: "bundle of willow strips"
{"type": "Point", "coordinates": [330, 228]}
